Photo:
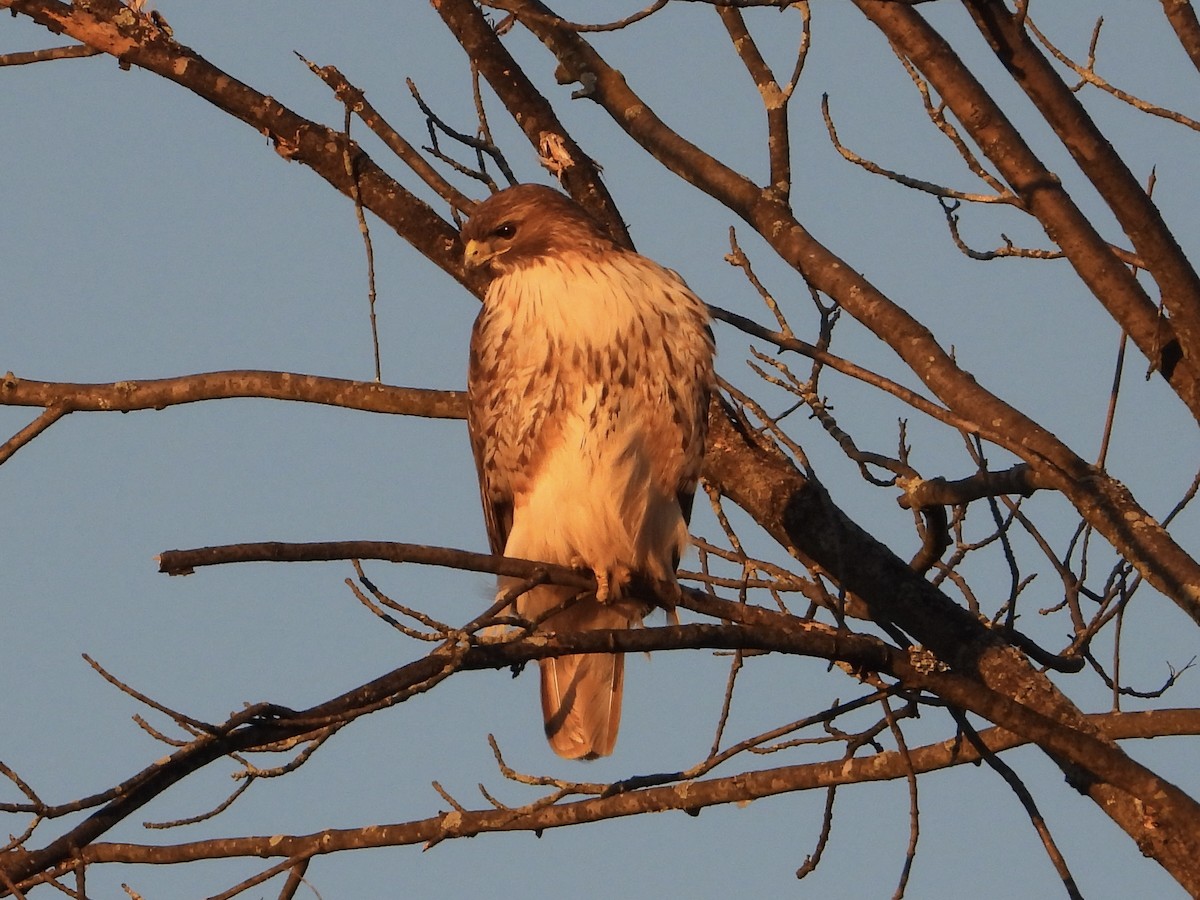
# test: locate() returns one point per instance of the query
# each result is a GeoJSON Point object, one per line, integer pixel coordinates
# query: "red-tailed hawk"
{"type": "Point", "coordinates": [590, 373]}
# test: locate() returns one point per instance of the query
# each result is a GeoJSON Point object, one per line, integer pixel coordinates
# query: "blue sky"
{"type": "Point", "coordinates": [148, 235]}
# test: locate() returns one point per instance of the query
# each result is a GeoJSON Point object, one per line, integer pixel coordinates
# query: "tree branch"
{"type": "Point", "coordinates": [184, 562]}
{"type": "Point", "coordinates": [1020, 479]}
{"type": "Point", "coordinates": [158, 394]}
{"type": "Point", "coordinates": [1183, 19]}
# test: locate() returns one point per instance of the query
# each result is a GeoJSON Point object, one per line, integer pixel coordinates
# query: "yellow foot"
{"type": "Point", "coordinates": [602, 587]}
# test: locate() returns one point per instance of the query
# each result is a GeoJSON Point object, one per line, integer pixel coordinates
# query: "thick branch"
{"type": "Point", "coordinates": [1182, 17]}
{"type": "Point", "coordinates": [1041, 191]}
{"type": "Point", "coordinates": [1020, 479]}
{"type": "Point", "coordinates": [801, 516]}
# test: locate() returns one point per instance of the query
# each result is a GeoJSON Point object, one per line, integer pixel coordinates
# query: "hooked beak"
{"type": "Point", "coordinates": [476, 254]}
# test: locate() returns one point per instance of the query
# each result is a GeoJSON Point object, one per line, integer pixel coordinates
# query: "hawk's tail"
{"type": "Point", "coordinates": [581, 694]}
{"type": "Point", "coordinates": [581, 702]}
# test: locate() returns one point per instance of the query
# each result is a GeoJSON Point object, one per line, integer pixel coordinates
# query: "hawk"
{"type": "Point", "coordinates": [590, 372]}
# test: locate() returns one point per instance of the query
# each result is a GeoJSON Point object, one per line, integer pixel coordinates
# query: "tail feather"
{"type": "Point", "coordinates": [581, 703]}
{"type": "Point", "coordinates": [581, 693]}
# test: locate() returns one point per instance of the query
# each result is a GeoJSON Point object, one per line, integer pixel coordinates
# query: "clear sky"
{"type": "Point", "coordinates": [147, 235]}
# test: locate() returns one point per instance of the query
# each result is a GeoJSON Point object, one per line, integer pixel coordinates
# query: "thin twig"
{"type": "Point", "coordinates": [71, 51]}
{"type": "Point", "coordinates": [1018, 787]}
{"type": "Point", "coordinates": [266, 875]}
{"type": "Point", "coordinates": [51, 415]}
{"type": "Point", "coordinates": [365, 231]}
{"type": "Point", "coordinates": [201, 817]}
{"type": "Point", "coordinates": [1087, 74]}
{"type": "Point", "coordinates": [356, 100]}
{"type": "Point", "coordinates": [581, 27]}
{"type": "Point", "coordinates": [181, 718]}
{"type": "Point", "coordinates": [917, 184]}
{"type": "Point", "coordinates": [812, 860]}
{"type": "Point", "coordinates": [914, 810]}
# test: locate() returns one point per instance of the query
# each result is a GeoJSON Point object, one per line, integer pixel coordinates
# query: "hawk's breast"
{"type": "Point", "coordinates": [589, 380]}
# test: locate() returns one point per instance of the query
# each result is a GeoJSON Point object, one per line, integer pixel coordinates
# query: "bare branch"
{"type": "Point", "coordinates": [1094, 154]}
{"type": "Point", "coordinates": [884, 766]}
{"type": "Point", "coordinates": [1182, 17]}
{"type": "Point", "coordinates": [139, 40]}
{"type": "Point", "coordinates": [531, 111]}
{"type": "Point", "coordinates": [52, 414]}
{"type": "Point", "coordinates": [357, 101]}
{"type": "Point", "coordinates": [591, 28]}
{"type": "Point", "coordinates": [1020, 479]}
{"type": "Point", "coordinates": [72, 51]}
{"type": "Point", "coordinates": [127, 396]}
{"type": "Point", "coordinates": [1007, 251]}
{"type": "Point", "coordinates": [483, 147]}
{"type": "Point", "coordinates": [1087, 74]}
{"type": "Point", "coordinates": [365, 231]}
{"type": "Point", "coordinates": [1018, 787]}
{"type": "Point", "coordinates": [917, 184]}
{"type": "Point", "coordinates": [914, 813]}
{"type": "Point", "coordinates": [183, 562]}
{"type": "Point", "coordinates": [775, 100]}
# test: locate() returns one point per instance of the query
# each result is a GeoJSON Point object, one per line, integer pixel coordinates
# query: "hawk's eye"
{"type": "Point", "coordinates": [505, 231]}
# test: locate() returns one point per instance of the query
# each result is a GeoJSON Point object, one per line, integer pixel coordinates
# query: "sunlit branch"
{"type": "Point", "coordinates": [845, 366]}
{"type": "Point", "coordinates": [51, 415]}
{"type": "Point", "coordinates": [1007, 251]}
{"type": "Point", "coordinates": [928, 187]}
{"type": "Point", "coordinates": [157, 394]}
{"type": "Point", "coordinates": [1098, 498]}
{"type": "Point", "coordinates": [584, 27]}
{"type": "Point", "coordinates": [356, 100]}
{"type": "Point", "coordinates": [72, 51]}
{"type": "Point", "coordinates": [1021, 479]}
{"type": "Point", "coordinates": [1087, 74]}
{"type": "Point", "coordinates": [937, 115]}
{"type": "Point", "coordinates": [183, 562]}
{"type": "Point", "coordinates": [775, 100]}
{"type": "Point", "coordinates": [1182, 17]}
{"type": "Point", "coordinates": [1041, 192]}
{"type": "Point", "coordinates": [699, 794]}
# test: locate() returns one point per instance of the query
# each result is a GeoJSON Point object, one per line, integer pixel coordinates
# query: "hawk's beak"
{"type": "Point", "coordinates": [476, 253]}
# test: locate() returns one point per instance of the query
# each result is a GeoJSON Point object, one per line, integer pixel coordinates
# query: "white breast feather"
{"type": "Point", "coordinates": [603, 494]}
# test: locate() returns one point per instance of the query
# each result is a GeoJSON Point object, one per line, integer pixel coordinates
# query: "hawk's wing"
{"type": "Point", "coordinates": [497, 502]}
{"type": "Point", "coordinates": [685, 492]}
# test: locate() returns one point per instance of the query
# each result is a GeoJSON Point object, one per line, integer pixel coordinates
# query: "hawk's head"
{"type": "Point", "coordinates": [525, 223]}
